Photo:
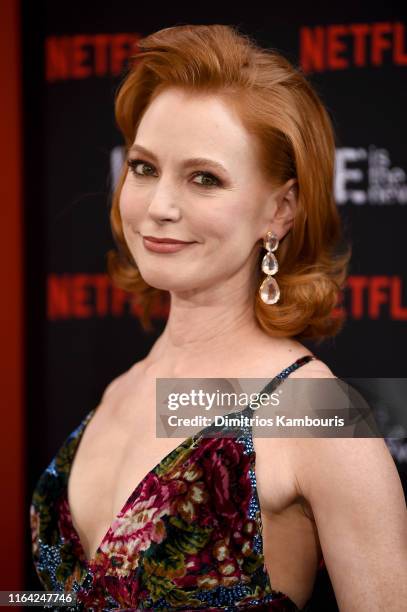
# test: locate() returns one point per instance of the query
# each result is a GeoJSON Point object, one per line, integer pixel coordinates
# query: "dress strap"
{"type": "Point", "coordinates": [294, 366]}
{"type": "Point", "coordinates": [274, 382]}
{"type": "Point", "coordinates": [248, 410]}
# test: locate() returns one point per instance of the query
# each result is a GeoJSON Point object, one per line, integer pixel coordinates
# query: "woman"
{"type": "Point", "coordinates": [229, 150]}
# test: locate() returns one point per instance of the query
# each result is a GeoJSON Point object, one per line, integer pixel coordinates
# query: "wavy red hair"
{"type": "Point", "coordinates": [281, 109]}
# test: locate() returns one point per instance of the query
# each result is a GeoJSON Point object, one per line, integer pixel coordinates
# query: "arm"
{"type": "Point", "coordinates": [358, 503]}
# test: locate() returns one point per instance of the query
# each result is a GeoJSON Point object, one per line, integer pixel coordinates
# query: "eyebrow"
{"type": "Point", "coordinates": [194, 161]}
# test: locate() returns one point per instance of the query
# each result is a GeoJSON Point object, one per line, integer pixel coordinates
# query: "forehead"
{"type": "Point", "coordinates": [178, 122]}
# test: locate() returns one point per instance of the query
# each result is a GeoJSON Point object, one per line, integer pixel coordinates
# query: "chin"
{"type": "Point", "coordinates": [164, 280]}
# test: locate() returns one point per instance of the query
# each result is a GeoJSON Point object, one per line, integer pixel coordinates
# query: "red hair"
{"type": "Point", "coordinates": [279, 107]}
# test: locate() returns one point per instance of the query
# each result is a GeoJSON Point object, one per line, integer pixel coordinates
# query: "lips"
{"type": "Point", "coordinates": [166, 240]}
{"type": "Point", "coordinates": [165, 245]}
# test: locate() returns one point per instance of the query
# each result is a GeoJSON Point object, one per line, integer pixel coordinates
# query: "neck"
{"type": "Point", "coordinates": [207, 326]}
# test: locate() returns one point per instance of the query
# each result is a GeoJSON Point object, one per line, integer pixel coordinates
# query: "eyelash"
{"type": "Point", "coordinates": [132, 163]}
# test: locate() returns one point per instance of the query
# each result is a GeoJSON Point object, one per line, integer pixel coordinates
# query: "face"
{"type": "Point", "coordinates": [220, 207]}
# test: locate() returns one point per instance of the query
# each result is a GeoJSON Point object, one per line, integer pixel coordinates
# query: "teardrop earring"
{"type": "Point", "coordinates": [269, 290]}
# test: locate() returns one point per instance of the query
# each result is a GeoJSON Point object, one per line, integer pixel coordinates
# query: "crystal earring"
{"type": "Point", "coordinates": [269, 290]}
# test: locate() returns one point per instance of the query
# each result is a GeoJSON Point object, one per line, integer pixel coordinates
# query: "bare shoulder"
{"type": "Point", "coordinates": [286, 351]}
{"type": "Point", "coordinates": [119, 385]}
{"type": "Point", "coordinates": [315, 368]}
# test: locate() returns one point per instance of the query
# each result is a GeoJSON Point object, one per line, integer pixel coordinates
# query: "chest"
{"type": "Point", "coordinates": [117, 450]}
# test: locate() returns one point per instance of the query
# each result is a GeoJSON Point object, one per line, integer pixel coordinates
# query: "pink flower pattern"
{"type": "Point", "coordinates": [188, 537]}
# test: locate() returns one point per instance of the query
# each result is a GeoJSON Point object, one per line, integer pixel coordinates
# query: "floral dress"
{"type": "Point", "coordinates": [189, 537]}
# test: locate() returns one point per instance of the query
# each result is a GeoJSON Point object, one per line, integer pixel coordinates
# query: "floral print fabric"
{"type": "Point", "coordinates": [188, 537]}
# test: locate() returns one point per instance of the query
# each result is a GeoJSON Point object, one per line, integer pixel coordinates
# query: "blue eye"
{"type": "Point", "coordinates": [133, 164]}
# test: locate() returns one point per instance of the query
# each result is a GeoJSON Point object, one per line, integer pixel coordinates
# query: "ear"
{"type": "Point", "coordinates": [285, 208]}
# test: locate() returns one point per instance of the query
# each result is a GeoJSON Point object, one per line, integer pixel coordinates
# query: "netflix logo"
{"type": "Point", "coordinates": [358, 45]}
{"type": "Point", "coordinates": [87, 296]}
{"type": "Point", "coordinates": [373, 297]}
{"type": "Point", "coordinates": [83, 56]}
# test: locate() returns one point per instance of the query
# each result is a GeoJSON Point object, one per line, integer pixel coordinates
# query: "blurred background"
{"type": "Point", "coordinates": [66, 331]}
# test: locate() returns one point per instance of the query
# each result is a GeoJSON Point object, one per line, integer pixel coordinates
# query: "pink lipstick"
{"type": "Point", "coordinates": [164, 245]}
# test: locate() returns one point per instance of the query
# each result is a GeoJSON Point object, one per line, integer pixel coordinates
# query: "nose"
{"type": "Point", "coordinates": [164, 204]}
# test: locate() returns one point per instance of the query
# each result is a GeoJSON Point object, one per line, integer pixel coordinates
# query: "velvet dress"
{"type": "Point", "coordinates": [189, 537]}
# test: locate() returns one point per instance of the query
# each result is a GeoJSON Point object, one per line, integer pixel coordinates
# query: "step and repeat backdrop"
{"type": "Point", "coordinates": [82, 331]}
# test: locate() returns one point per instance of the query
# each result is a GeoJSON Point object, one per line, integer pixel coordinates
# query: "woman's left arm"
{"type": "Point", "coordinates": [359, 507]}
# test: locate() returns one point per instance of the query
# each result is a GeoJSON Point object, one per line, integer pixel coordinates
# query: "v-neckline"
{"type": "Point", "coordinates": [82, 427]}
{"type": "Point", "coordinates": [278, 379]}
{"type": "Point", "coordinates": [190, 440]}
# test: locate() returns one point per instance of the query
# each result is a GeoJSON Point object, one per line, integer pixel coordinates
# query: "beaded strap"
{"type": "Point", "coordinates": [294, 366]}
{"type": "Point", "coordinates": [254, 513]}
{"type": "Point", "coordinates": [284, 373]}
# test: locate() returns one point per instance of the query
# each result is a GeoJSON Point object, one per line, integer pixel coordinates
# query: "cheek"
{"type": "Point", "coordinates": [228, 228]}
{"type": "Point", "coordinates": [129, 206]}
{"type": "Point", "coordinates": [236, 224]}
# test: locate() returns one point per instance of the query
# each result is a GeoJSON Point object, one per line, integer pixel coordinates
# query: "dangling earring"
{"type": "Point", "coordinates": [269, 290]}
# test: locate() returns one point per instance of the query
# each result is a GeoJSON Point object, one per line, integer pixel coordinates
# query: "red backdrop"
{"type": "Point", "coordinates": [11, 257]}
